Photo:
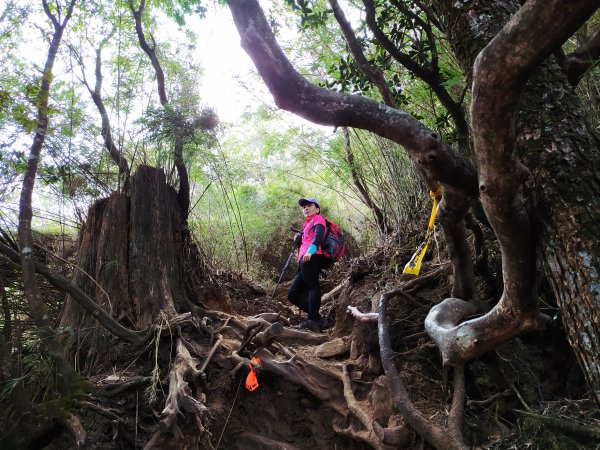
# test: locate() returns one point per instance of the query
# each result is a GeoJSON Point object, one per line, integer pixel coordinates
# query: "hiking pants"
{"type": "Point", "coordinates": [305, 291]}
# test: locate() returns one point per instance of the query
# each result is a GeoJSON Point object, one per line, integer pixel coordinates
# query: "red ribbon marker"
{"type": "Point", "coordinates": [251, 380]}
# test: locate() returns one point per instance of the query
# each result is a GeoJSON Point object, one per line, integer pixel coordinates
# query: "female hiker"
{"type": "Point", "coordinates": [305, 291]}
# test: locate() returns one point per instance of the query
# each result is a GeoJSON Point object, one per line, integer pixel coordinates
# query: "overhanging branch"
{"type": "Point", "coordinates": [111, 325]}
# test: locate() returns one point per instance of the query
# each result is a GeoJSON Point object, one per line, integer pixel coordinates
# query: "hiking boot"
{"type": "Point", "coordinates": [324, 323]}
{"type": "Point", "coordinates": [310, 325]}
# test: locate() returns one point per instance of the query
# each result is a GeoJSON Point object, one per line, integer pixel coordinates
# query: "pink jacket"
{"type": "Point", "coordinates": [308, 234]}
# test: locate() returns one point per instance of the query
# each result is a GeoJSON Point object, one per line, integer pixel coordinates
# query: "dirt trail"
{"type": "Point", "coordinates": [328, 390]}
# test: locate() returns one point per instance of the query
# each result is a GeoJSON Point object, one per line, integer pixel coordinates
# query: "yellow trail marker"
{"type": "Point", "coordinates": [413, 267]}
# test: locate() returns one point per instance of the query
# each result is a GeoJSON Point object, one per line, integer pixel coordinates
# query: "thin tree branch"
{"type": "Point", "coordinates": [183, 194]}
{"type": "Point", "coordinates": [111, 325]}
{"type": "Point", "coordinates": [431, 76]}
{"type": "Point", "coordinates": [36, 304]}
{"type": "Point", "coordinates": [149, 50]}
{"type": "Point", "coordinates": [362, 189]}
{"type": "Point", "coordinates": [294, 93]}
{"type": "Point", "coordinates": [372, 73]}
{"type": "Point", "coordinates": [96, 94]}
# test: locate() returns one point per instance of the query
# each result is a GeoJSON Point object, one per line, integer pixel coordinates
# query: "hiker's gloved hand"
{"type": "Point", "coordinates": [298, 240]}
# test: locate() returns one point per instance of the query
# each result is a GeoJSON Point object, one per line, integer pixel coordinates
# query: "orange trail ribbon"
{"type": "Point", "coordinates": [251, 380]}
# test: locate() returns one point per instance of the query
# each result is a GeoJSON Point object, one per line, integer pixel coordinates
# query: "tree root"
{"type": "Point", "coordinates": [113, 389]}
{"type": "Point", "coordinates": [331, 385]}
{"type": "Point", "coordinates": [332, 293]}
{"type": "Point", "coordinates": [291, 336]}
{"type": "Point", "coordinates": [73, 424]}
{"type": "Point", "coordinates": [490, 400]}
{"type": "Point", "coordinates": [180, 395]}
{"type": "Point", "coordinates": [374, 434]}
{"type": "Point", "coordinates": [362, 317]}
{"type": "Point", "coordinates": [578, 429]}
{"type": "Point", "coordinates": [415, 283]}
{"type": "Point", "coordinates": [153, 441]}
{"type": "Point", "coordinates": [212, 352]}
{"type": "Point", "coordinates": [262, 442]}
{"type": "Point", "coordinates": [106, 412]}
{"type": "Point", "coordinates": [449, 437]}
{"type": "Point", "coordinates": [460, 342]}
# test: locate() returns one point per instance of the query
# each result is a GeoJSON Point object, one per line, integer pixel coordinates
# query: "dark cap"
{"type": "Point", "coordinates": [306, 201]}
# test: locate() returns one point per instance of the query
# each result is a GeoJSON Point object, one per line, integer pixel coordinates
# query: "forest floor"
{"type": "Point", "coordinates": [511, 392]}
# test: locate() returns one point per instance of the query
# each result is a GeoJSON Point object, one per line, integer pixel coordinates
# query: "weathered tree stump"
{"type": "Point", "coordinates": [130, 260]}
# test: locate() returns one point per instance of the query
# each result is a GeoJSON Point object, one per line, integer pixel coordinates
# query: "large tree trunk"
{"type": "Point", "coordinates": [130, 260]}
{"type": "Point", "coordinates": [554, 142]}
{"type": "Point", "coordinates": [569, 212]}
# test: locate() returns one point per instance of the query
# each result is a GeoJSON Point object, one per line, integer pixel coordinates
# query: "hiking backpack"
{"type": "Point", "coordinates": [334, 244]}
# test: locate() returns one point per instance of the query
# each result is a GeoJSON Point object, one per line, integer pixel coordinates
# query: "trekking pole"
{"type": "Point", "coordinates": [287, 263]}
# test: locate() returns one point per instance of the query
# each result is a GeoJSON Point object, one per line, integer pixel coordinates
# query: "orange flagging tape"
{"type": "Point", "coordinates": [251, 380]}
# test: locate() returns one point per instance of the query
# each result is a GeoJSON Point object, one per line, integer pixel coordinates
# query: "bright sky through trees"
{"type": "Point", "coordinates": [230, 83]}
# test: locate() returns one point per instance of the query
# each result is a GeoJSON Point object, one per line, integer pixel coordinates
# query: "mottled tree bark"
{"type": "Point", "coordinates": [130, 258]}
{"type": "Point", "coordinates": [101, 273]}
{"type": "Point", "coordinates": [155, 247]}
{"type": "Point", "coordinates": [36, 305]}
{"type": "Point", "coordinates": [555, 194]}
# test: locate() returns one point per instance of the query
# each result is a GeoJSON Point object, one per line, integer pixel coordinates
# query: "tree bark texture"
{"type": "Point", "coordinates": [130, 258]}
{"type": "Point", "coordinates": [150, 50]}
{"type": "Point", "coordinates": [561, 155]}
{"type": "Point", "coordinates": [65, 373]}
{"type": "Point", "coordinates": [101, 271]}
{"type": "Point", "coordinates": [96, 93]}
{"type": "Point", "coordinates": [155, 247]}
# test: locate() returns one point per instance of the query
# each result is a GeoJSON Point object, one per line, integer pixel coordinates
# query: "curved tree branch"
{"type": "Point", "coordinates": [294, 93]}
{"type": "Point", "coordinates": [66, 373]}
{"type": "Point", "coordinates": [435, 160]}
{"type": "Point", "coordinates": [500, 73]}
{"type": "Point", "coordinates": [150, 50]}
{"type": "Point", "coordinates": [109, 143]}
{"type": "Point", "coordinates": [111, 325]}
{"type": "Point", "coordinates": [450, 438]}
{"type": "Point", "coordinates": [25, 213]}
{"type": "Point", "coordinates": [425, 25]}
{"type": "Point", "coordinates": [452, 211]}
